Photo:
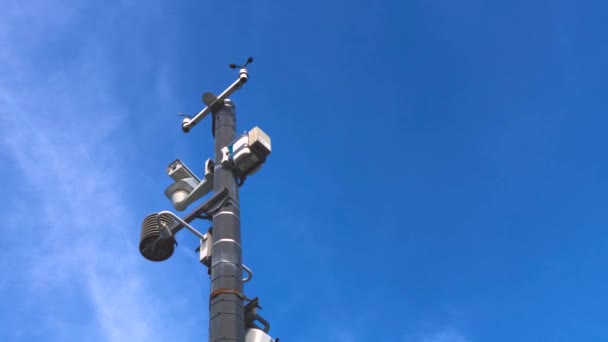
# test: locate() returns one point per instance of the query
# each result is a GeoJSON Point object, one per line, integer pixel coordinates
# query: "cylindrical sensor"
{"type": "Point", "coordinates": [150, 246]}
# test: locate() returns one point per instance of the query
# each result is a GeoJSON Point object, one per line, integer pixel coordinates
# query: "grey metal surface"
{"type": "Point", "coordinates": [226, 311]}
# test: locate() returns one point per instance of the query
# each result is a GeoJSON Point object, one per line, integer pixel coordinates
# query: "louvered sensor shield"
{"type": "Point", "coordinates": [151, 245]}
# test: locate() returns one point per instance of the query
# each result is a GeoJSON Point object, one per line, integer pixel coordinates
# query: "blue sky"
{"type": "Point", "coordinates": [438, 170]}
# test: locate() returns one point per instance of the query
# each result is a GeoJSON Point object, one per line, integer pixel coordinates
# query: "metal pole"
{"type": "Point", "coordinates": [226, 313]}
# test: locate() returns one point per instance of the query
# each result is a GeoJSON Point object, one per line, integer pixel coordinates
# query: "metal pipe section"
{"type": "Point", "coordinates": [249, 273]}
{"type": "Point", "coordinates": [187, 124]}
{"type": "Point", "coordinates": [226, 308]}
{"type": "Point", "coordinates": [178, 219]}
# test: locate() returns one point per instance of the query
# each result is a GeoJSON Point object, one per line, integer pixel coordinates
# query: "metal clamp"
{"type": "Point", "coordinates": [251, 315]}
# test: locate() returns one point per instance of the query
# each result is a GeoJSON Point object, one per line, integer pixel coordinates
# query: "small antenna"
{"type": "Point", "coordinates": [234, 66]}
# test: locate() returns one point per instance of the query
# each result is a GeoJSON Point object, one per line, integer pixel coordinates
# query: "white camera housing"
{"type": "Point", "coordinates": [178, 171]}
{"type": "Point", "coordinates": [187, 188]}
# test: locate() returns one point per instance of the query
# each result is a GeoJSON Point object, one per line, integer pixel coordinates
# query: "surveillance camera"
{"type": "Point", "coordinates": [187, 187]}
{"type": "Point", "coordinates": [178, 170]}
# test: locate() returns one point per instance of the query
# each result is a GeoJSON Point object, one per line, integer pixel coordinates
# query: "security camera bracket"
{"type": "Point", "coordinates": [206, 209]}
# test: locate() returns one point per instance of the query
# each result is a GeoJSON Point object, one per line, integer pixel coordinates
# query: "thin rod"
{"type": "Point", "coordinates": [178, 219]}
{"type": "Point", "coordinates": [231, 89]}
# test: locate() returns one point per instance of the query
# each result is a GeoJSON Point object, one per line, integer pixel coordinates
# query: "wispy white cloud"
{"type": "Point", "coordinates": [61, 141]}
{"type": "Point", "coordinates": [78, 195]}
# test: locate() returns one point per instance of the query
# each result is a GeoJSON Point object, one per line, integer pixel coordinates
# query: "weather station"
{"type": "Point", "coordinates": [232, 315]}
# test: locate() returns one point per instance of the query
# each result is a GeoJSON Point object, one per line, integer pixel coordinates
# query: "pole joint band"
{"type": "Point", "coordinates": [226, 291]}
